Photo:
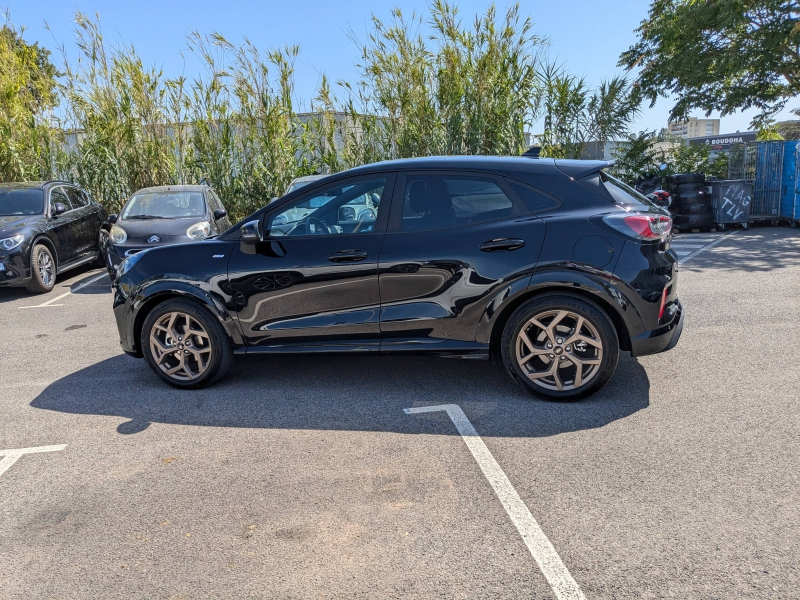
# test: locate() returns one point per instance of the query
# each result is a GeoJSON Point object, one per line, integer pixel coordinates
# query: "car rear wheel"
{"type": "Point", "coordinates": [43, 270]}
{"type": "Point", "coordinates": [560, 347]}
{"type": "Point", "coordinates": [185, 344]}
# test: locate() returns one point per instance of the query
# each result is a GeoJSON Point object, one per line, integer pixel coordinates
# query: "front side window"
{"type": "Point", "coordinates": [343, 208]}
{"type": "Point", "coordinates": [442, 201]}
{"type": "Point", "coordinates": [58, 196]}
{"type": "Point", "coordinates": [164, 205]}
{"type": "Point", "coordinates": [21, 202]}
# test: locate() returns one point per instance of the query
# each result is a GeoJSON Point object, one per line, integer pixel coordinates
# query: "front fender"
{"type": "Point", "coordinates": [148, 294]}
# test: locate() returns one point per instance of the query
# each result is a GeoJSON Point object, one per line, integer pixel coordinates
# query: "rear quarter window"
{"type": "Point", "coordinates": [535, 200]}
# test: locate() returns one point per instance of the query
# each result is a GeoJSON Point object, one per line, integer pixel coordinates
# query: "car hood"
{"type": "Point", "coordinates": [169, 231]}
{"type": "Point", "coordinates": [12, 222]}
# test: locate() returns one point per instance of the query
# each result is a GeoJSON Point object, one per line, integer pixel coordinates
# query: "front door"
{"type": "Point", "coordinates": [313, 282]}
{"type": "Point", "coordinates": [64, 227]}
{"type": "Point", "coordinates": [87, 228]}
{"type": "Point", "coordinates": [455, 242]}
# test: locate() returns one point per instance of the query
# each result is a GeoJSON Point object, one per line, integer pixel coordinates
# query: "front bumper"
{"type": "Point", "coordinates": [15, 269]}
{"type": "Point", "coordinates": [661, 339]}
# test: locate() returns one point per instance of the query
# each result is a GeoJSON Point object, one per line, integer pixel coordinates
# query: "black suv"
{"type": "Point", "coordinates": [46, 228]}
{"type": "Point", "coordinates": [553, 263]}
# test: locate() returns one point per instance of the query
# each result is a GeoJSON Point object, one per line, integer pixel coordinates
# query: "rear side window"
{"type": "Point", "coordinates": [621, 192]}
{"type": "Point", "coordinates": [536, 200]}
{"type": "Point", "coordinates": [442, 201]}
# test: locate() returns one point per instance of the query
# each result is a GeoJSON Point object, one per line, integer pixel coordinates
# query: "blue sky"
{"type": "Point", "coordinates": [587, 35]}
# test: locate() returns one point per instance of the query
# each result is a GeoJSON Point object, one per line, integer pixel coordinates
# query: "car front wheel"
{"type": "Point", "coordinates": [185, 344]}
{"type": "Point", "coordinates": [560, 347]}
{"type": "Point", "coordinates": [43, 270]}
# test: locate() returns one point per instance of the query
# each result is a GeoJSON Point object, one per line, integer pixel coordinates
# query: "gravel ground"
{"type": "Point", "coordinates": [302, 477]}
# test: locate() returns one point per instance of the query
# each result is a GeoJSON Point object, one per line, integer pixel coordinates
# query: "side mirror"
{"type": "Point", "coordinates": [250, 233]}
{"type": "Point", "coordinates": [58, 208]}
{"type": "Point", "coordinates": [112, 219]}
{"type": "Point", "coordinates": [220, 213]}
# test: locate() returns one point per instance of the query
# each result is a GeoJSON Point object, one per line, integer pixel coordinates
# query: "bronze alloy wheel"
{"type": "Point", "coordinates": [559, 350]}
{"type": "Point", "coordinates": [181, 346]}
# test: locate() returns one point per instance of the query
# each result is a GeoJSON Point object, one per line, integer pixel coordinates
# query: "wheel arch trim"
{"type": "Point", "coordinates": [150, 296]}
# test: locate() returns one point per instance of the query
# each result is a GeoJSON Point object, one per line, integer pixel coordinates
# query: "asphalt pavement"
{"type": "Point", "coordinates": [303, 476]}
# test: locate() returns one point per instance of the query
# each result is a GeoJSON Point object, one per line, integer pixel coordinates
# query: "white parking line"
{"type": "Point", "coordinates": [706, 247]}
{"type": "Point", "coordinates": [12, 456]}
{"type": "Point", "coordinates": [49, 303]}
{"type": "Point", "coordinates": [543, 552]}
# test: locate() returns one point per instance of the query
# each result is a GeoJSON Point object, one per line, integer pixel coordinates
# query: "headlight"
{"type": "Point", "coordinates": [128, 263]}
{"type": "Point", "coordinates": [11, 242]}
{"type": "Point", "coordinates": [199, 231]}
{"type": "Point", "coordinates": [118, 235]}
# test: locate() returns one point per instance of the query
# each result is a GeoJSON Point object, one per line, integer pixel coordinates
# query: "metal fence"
{"type": "Point", "coordinates": [760, 163]}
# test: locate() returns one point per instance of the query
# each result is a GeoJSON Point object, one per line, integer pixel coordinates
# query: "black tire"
{"type": "Point", "coordinates": [702, 221]}
{"type": "Point", "coordinates": [690, 208]}
{"type": "Point", "coordinates": [691, 199]}
{"type": "Point", "coordinates": [102, 249]}
{"type": "Point", "coordinates": [43, 270]}
{"type": "Point", "coordinates": [688, 189]}
{"type": "Point", "coordinates": [574, 305]}
{"type": "Point", "coordinates": [680, 178]}
{"type": "Point", "coordinates": [217, 340]}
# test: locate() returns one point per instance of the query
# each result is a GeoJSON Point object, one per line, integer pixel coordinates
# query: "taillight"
{"type": "Point", "coordinates": [663, 304]}
{"type": "Point", "coordinates": [642, 226]}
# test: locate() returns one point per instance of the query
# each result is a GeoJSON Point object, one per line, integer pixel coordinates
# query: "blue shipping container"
{"type": "Point", "coordinates": [790, 182]}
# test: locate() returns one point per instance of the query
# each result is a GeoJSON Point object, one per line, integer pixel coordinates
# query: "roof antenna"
{"type": "Point", "coordinates": [533, 152]}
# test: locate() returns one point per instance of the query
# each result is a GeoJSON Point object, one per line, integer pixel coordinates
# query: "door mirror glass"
{"type": "Point", "coordinates": [220, 213]}
{"type": "Point", "coordinates": [250, 233]}
{"type": "Point", "coordinates": [58, 209]}
{"type": "Point", "coordinates": [112, 219]}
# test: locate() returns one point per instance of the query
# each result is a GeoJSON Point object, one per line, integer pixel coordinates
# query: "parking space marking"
{"type": "Point", "coordinates": [543, 552]}
{"type": "Point", "coordinates": [13, 455]}
{"type": "Point", "coordinates": [49, 303]}
{"type": "Point", "coordinates": [708, 246]}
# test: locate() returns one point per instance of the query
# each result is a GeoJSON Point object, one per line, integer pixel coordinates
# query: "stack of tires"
{"type": "Point", "coordinates": [691, 206]}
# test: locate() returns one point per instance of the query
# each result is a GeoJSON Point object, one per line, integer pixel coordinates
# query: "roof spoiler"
{"type": "Point", "coordinates": [532, 152]}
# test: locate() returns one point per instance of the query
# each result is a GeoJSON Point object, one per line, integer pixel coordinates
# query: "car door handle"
{"type": "Point", "coordinates": [502, 244]}
{"type": "Point", "coordinates": [347, 256]}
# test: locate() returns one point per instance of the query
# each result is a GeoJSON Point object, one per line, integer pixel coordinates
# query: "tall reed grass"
{"type": "Point", "coordinates": [428, 85]}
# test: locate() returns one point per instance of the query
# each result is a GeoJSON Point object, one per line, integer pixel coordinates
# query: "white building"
{"type": "Point", "coordinates": [694, 127]}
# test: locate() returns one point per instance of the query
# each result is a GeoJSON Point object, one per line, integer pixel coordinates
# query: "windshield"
{"type": "Point", "coordinates": [164, 205]}
{"type": "Point", "coordinates": [623, 193]}
{"type": "Point", "coordinates": [21, 202]}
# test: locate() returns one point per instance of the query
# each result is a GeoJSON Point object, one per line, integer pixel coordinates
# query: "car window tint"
{"type": "Point", "coordinates": [57, 195]}
{"type": "Point", "coordinates": [622, 193]}
{"type": "Point", "coordinates": [536, 200]}
{"type": "Point", "coordinates": [350, 208]}
{"type": "Point", "coordinates": [213, 200]}
{"type": "Point", "coordinates": [77, 197]}
{"type": "Point", "coordinates": [441, 201]}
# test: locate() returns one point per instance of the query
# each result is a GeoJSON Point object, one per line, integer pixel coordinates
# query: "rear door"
{"type": "Point", "coordinates": [455, 240]}
{"type": "Point", "coordinates": [87, 226]}
{"type": "Point", "coordinates": [313, 282]}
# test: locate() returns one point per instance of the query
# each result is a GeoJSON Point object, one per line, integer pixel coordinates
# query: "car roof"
{"type": "Point", "coordinates": [31, 185]}
{"type": "Point", "coordinates": [308, 178]}
{"type": "Point", "coordinates": [507, 164]}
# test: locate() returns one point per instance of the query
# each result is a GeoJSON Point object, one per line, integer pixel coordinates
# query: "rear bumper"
{"type": "Point", "coordinates": [662, 339]}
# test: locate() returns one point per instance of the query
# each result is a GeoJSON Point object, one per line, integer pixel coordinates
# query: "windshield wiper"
{"type": "Point", "coordinates": [132, 217]}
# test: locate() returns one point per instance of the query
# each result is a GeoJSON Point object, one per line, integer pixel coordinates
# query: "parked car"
{"type": "Point", "coordinates": [163, 216]}
{"type": "Point", "coordinates": [47, 228]}
{"type": "Point", "coordinates": [554, 264]}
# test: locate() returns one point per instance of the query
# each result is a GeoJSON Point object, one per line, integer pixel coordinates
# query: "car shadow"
{"type": "Point", "coordinates": [343, 393]}
{"type": "Point", "coordinates": [74, 279]}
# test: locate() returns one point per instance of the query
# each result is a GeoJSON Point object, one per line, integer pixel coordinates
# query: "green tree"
{"type": "Point", "coordinates": [719, 55]}
{"type": "Point", "coordinates": [575, 115]}
{"type": "Point", "coordinates": [27, 93]}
